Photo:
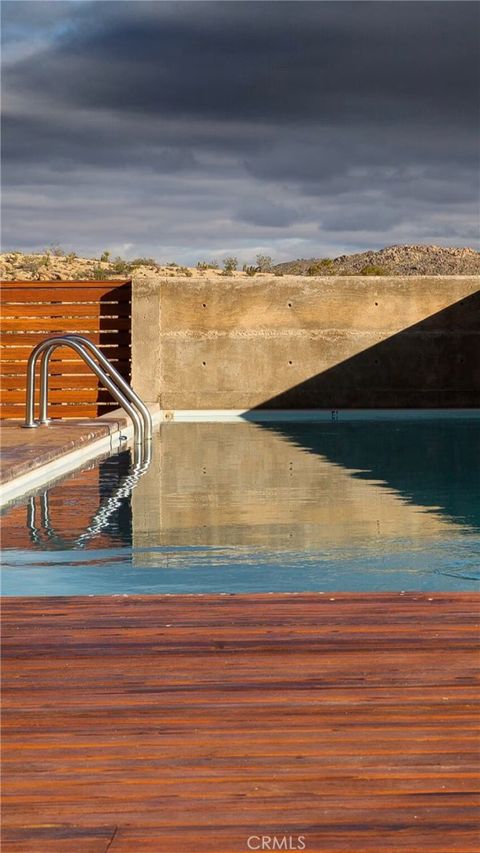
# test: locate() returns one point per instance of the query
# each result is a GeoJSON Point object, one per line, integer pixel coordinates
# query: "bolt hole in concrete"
{"type": "Point", "coordinates": [204, 304]}
{"type": "Point", "coordinates": [364, 501]}
{"type": "Point", "coordinates": [204, 363]}
{"type": "Point", "coordinates": [289, 304]}
{"type": "Point", "coordinates": [290, 362]}
{"type": "Point", "coordinates": [376, 303]}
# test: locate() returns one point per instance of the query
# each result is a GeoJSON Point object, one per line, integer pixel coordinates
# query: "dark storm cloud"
{"type": "Point", "coordinates": [367, 218]}
{"type": "Point", "coordinates": [263, 213]}
{"type": "Point", "coordinates": [344, 117]}
{"type": "Point", "coordinates": [281, 61]}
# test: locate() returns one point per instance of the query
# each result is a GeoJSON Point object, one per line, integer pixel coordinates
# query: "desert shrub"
{"type": "Point", "coordinates": [207, 265]}
{"type": "Point", "coordinates": [172, 264]}
{"type": "Point", "coordinates": [120, 267]}
{"type": "Point", "coordinates": [86, 275]}
{"type": "Point", "coordinates": [56, 250]}
{"type": "Point", "coordinates": [71, 257]}
{"type": "Point", "coordinates": [371, 269]}
{"type": "Point", "coordinates": [105, 257]}
{"type": "Point", "coordinates": [230, 265]}
{"type": "Point", "coordinates": [278, 272]}
{"type": "Point", "coordinates": [31, 264]}
{"type": "Point", "coordinates": [250, 270]}
{"type": "Point", "coordinates": [320, 267]}
{"type": "Point", "coordinates": [96, 274]}
{"type": "Point", "coordinates": [143, 262]}
{"type": "Point", "coordinates": [264, 263]}
{"type": "Point", "coordinates": [45, 260]}
{"type": "Point", "coordinates": [185, 271]}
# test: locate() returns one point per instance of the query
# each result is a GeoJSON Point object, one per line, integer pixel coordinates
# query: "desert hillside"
{"type": "Point", "coordinates": [55, 265]}
{"type": "Point", "coordinates": [393, 260]}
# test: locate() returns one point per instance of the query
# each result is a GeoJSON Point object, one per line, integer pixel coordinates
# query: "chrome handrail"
{"type": "Point", "coordinates": [109, 369]}
{"type": "Point", "coordinates": [79, 348]}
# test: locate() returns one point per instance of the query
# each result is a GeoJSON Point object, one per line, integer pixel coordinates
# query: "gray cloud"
{"type": "Point", "coordinates": [268, 214]}
{"type": "Point", "coordinates": [224, 121]}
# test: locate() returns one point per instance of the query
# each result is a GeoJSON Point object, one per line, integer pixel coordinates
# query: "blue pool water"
{"type": "Point", "coordinates": [357, 505]}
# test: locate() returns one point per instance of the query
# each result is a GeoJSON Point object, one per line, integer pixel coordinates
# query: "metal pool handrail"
{"type": "Point", "coordinates": [141, 433]}
{"type": "Point", "coordinates": [109, 369]}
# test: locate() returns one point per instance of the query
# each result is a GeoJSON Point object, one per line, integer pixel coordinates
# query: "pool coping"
{"type": "Point", "coordinates": [310, 415]}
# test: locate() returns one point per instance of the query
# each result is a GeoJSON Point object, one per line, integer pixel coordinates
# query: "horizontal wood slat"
{"type": "Point", "coordinates": [53, 309]}
{"type": "Point", "coordinates": [88, 380]}
{"type": "Point", "coordinates": [19, 353]}
{"type": "Point", "coordinates": [87, 410]}
{"type": "Point", "coordinates": [32, 338]}
{"type": "Point", "coordinates": [68, 373]}
{"type": "Point", "coordinates": [33, 312]}
{"type": "Point", "coordinates": [109, 283]}
{"type": "Point", "coordinates": [13, 369]}
{"type": "Point", "coordinates": [89, 395]}
{"type": "Point", "coordinates": [107, 286]}
{"type": "Point", "coordinates": [64, 295]}
{"type": "Point", "coordinates": [65, 324]}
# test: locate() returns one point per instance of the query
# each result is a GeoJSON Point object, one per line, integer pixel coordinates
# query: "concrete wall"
{"type": "Point", "coordinates": [283, 342]}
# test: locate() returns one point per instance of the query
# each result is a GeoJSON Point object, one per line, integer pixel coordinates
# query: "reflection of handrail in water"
{"type": "Point", "coordinates": [100, 519]}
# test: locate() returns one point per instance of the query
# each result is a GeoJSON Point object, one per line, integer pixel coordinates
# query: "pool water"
{"type": "Point", "coordinates": [355, 505]}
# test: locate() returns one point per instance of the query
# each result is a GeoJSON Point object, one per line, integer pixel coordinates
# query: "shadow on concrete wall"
{"type": "Point", "coordinates": [430, 463]}
{"type": "Point", "coordinates": [432, 364]}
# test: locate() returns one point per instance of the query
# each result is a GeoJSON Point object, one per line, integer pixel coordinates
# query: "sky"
{"type": "Point", "coordinates": [190, 131]}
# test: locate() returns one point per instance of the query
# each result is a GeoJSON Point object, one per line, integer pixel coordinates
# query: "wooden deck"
{"type": "Point", "coordinates": [181, 723]}
{"type": "Point", "coordinates": [26, 450]}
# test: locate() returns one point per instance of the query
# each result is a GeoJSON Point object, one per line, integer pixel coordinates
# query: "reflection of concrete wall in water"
{"type": "Point", "coordinates": [295, 342]}
{"type": "Point", "coordinates": [220, 484]}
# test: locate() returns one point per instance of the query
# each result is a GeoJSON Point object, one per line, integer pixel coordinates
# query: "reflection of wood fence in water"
{"type": "Point", "coordinates": [68, 510]}
{"type": "Point", "coordinates": [35, 310]}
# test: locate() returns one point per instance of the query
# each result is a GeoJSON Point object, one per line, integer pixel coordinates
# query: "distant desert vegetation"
{"type": "Point", "coordinates": [57, 264]}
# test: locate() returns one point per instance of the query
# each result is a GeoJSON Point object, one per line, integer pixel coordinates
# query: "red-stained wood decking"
{"type": "Point", "coordinates": [183, 723]}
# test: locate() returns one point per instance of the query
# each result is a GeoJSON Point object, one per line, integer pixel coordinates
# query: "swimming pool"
{"type": "Point", "coordinates": [349, 505]}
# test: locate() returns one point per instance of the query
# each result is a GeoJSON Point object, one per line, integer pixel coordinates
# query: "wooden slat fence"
{"type": "Point", "coordinates": [32, 311]}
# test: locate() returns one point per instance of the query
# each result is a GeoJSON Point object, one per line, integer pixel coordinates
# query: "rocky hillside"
{"type": "Point", "coordinates": [54, 265]}
{"type": "Point", "coordinates": [394, 260]}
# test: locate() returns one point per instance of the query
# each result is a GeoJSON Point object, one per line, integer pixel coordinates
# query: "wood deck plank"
{"type": "Point", "coordinates": [190, 723]}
